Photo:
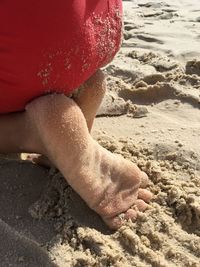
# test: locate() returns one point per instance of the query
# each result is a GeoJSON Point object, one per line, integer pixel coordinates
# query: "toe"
{"type": "Point", "coordinates": [130, 214]}
{"type": "Point", "coordinates": [144, 180]}
{"type": "Point", "coordinates": [141, 205]}
{"type": "Point", "coordinates": [114, 223]}
{"type": "Point", "coordinates": [145, 195]}
{"type": "Point", "coordinates": [117, 221]}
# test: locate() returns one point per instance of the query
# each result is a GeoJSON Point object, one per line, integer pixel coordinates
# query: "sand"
{"type": "Point", "coordinates": [151, 116]}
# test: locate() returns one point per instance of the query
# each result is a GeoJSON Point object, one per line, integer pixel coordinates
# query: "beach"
{"type": "Point", "coordinates": [151, 116]}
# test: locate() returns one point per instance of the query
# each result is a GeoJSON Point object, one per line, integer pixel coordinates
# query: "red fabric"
{"type": "Point", "coordinates": [53, 46]}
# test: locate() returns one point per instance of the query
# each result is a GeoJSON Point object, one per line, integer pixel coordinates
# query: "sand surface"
{"type": "Point", "coordinates": [151, 116]}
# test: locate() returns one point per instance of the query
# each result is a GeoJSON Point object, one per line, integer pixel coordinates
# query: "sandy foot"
{"type": "Point", "coordinates": [112, 187]}
{"type": "Point", "coordinates": [108, 183]}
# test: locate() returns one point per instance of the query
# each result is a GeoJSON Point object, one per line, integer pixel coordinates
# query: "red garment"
{"type": "Point", "coordinates": [53, 46]}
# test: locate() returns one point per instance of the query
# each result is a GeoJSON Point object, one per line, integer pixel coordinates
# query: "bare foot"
{"type": "Point", "coordinates": [112, 186]}
{"type": "Point", "coordinates": [55, 126]}
{"type": "Point", "coordinates": [109, 184]}
{"type": "Point", "coordinates": [117, 183]}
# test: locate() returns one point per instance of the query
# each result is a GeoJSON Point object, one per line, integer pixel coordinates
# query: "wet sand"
{"type": "Point", "coordinates": [151, 116]}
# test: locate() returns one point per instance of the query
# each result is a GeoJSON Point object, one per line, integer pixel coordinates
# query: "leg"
{"type": "Point", "coordinates": [89, 100]}
{"type": "Point", "coordinates": [108, 183]}
{"type": "Point", "coordinates": [16, 135]}
{"type": "Point", "coordinates": [91, 96]}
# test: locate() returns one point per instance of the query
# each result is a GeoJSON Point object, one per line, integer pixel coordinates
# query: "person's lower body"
{"type": "Point", "coordinates": [57, 127]}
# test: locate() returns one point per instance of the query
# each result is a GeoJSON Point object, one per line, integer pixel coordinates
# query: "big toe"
{"type": "Point", "coordinates": [114, 223]}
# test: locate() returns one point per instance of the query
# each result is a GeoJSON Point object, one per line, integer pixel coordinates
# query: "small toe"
{"type": "Point", "coordinates": [130, 214]}
{"type": "Point", "coordinates": [141, 205]}
{"type": "Point", "coordinates": [145, 195]}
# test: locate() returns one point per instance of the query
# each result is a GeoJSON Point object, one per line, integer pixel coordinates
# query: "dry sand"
{"type": "Point", "coordinates": [151, 116]}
